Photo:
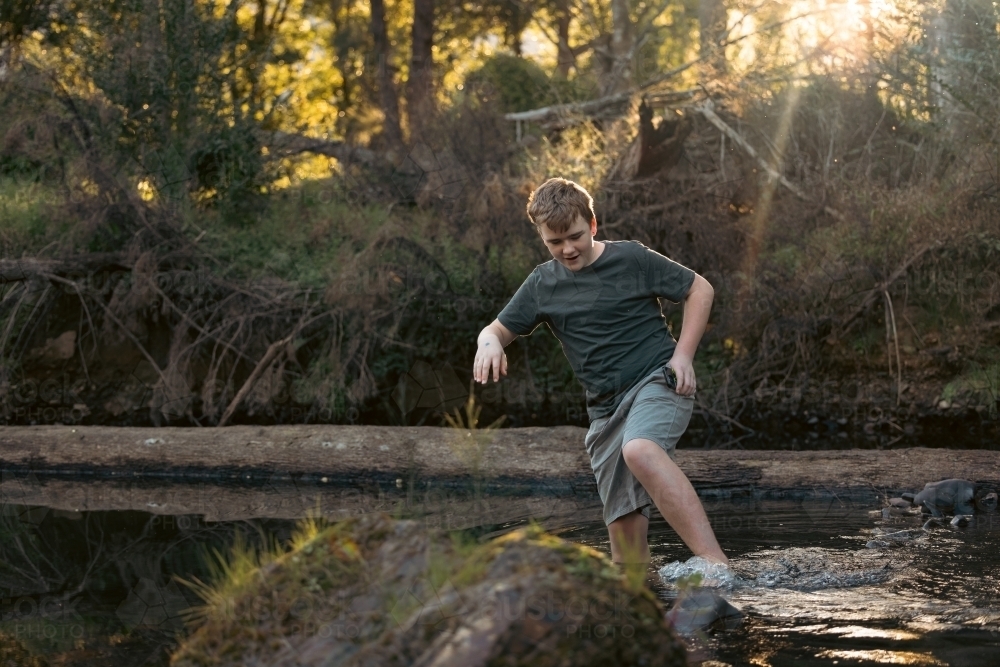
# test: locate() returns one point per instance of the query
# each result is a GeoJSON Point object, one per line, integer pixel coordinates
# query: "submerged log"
{"type": "Point", "coordinates": [433, 504]}
{"type": "Point", "coordinates": [336, 451]}
{"type": "Point", "coordinates": [537, 455]}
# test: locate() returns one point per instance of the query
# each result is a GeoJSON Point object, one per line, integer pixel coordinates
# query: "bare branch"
{"type": "Point", "coordinates": [286, 144]}
{"type": "Point", "coordinates": [265, 361]}
{"type": "Point", "coordinates": [615, 105]}
{"type": "Point", "coordinates": [121, 325]}
{"type": "Point", "coordinates": [708, 112]}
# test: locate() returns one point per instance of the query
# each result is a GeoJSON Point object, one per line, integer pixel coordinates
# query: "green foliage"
{"type": "Point", "coordinates": [516, 83]}
{"type": "Point", "coordinates": [299, 238]}
{"type": "Point", "coordinates": [978, 385]}
{"type": "Point", "coordinates": [24, 207]}
{"type": "Point", "coordinates": [470, 420]}
{"type": "Point", "coordinates": [18, 17]}
{"type": "Point", "coordinates": [166, 94]}
{"type": "Point", "coordinates": [119, 118]}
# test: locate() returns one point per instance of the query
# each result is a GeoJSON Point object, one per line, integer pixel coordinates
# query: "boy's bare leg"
{"type": "Point", "coordinates": [674, 496]}
{"type": "Point", "coordinates": [628, 538]}
{"type": "Point", "coordinates": [629, 547]}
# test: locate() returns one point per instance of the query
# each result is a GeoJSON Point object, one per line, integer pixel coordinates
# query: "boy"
{"type": "Point", "coordinates": [600, 301]}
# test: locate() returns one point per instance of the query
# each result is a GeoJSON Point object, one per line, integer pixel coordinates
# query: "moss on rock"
{"type": "Point", "coordinates": [375, 591]}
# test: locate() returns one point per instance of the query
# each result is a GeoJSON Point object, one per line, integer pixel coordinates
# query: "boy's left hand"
{"type": "Point", "coordinates": [684, 370]}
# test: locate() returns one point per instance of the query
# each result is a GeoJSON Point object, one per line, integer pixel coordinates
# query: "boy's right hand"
{"type": "Point", "coordinates": [490, 355]}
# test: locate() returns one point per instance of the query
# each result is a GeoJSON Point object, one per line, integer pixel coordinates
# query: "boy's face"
{"type": "Point", "coordinates": [573, 248]}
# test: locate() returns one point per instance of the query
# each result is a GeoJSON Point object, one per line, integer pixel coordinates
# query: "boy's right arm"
{"type": "Point", "coordinates": [489, 353]}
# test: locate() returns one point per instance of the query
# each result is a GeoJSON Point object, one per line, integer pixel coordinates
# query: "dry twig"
{"type": "Point", "coordinates": [265, 361]}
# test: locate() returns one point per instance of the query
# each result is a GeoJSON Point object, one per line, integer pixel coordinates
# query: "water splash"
{"type": "Point", "coordinates": [800, 568]}
{"type": "Point", "coordinates": [814, 568]}
{"type": "Point", "coordinates": [713, 575]}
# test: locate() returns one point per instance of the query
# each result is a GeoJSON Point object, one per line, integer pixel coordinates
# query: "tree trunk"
{"type": "Point", "coordinates": [657, 147]}
{"type": "Point", "coordinates": [388, 97]}
{"type": "Point", "coordinates": [934, 39]}
{"type": "Point", "coordinates": [566, 58]}
{"type": "Point", "coordinates": [340, 16]}
{"type": "Point", "coordinates": [622, 40]}
{"type": "Point", "coordinates": [967, 36]}
{"type": "Point", "coordinates": [712, 21]}
{"type": "Point", "coordinates": [518, 15]}
{"type": "Point", "coordinates": [420, 86]}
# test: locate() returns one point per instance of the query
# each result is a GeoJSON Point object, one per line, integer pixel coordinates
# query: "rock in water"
{"type": "Point", "coordinates": [932, 522]}
{"type": "Point", "coordinates": [700, 608]}
{"type": "Point", "coordinates": [949, 496]}
{"type": "Point", "coordinates": [988, 503]}
{"type": "Point", "coordinates": [372, 591]}
{"type": "Point", "coordinates": [699, 604]}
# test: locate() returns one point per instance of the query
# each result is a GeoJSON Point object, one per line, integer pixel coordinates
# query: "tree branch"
{"type": "Point", "coordinates": [286, 144]}
{"type": "Point", "coordinates": [708, 112]}
{"type": "Point", "coordinates": [272, 352]}
{"type": "Point", "coordinates": [557, 114]}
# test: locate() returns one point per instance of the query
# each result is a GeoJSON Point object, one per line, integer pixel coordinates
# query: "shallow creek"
{"type": "Point", "coordinates": [88, 567]}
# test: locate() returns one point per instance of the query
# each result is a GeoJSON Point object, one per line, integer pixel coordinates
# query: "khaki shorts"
{"type": "Point", "coordinates": [650, 410]}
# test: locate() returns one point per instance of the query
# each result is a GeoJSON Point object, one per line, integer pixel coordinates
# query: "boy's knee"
{"type": "Point", "coordinates": [628, 523]}
{"type": "Point", "coordinates": [635, 451]}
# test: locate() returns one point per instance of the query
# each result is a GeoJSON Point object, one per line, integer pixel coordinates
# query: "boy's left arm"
{"type": "Point", "coordinates": [697, 306]}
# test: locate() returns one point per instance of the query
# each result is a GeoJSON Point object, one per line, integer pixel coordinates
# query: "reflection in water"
{"type": "Point", "coordinates": [884, 657]}
{"type": "Point", "coordinates": [934, 598]}
{"type": "Point", "coordinates": [84, 588]}
{"type": "Point", "coordinates": [87, 568]}
{"type": "Point", "coordinates": [856, 631]}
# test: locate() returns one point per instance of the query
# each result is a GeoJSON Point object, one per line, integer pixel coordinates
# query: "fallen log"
{"type": "Point", "coordinates": [543, 456]}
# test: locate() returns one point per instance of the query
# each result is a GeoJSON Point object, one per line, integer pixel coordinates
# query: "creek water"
{"type": "Point", "coordinates": [88, 568]}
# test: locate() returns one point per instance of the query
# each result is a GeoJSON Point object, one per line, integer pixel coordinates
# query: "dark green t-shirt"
{"type": "Point", "coordinates": [606, 316]}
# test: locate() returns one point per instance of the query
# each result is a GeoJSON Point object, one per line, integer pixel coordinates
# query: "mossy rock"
{"type": "Point", "coordinates": [375, 591]}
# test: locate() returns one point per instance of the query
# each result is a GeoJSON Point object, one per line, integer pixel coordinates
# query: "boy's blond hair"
{"type": "Point", "coordinates": [557, 202]}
